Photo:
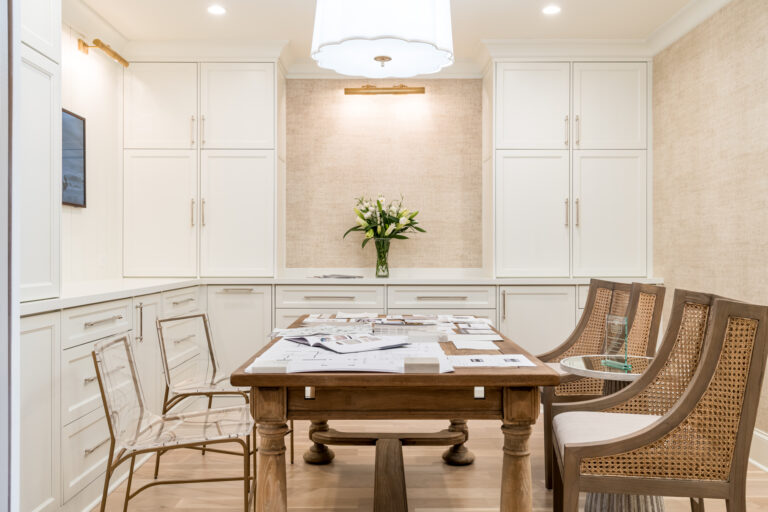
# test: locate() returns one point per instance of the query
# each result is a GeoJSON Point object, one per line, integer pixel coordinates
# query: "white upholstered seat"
{"type": "Point", "coordinates": [588, 427]}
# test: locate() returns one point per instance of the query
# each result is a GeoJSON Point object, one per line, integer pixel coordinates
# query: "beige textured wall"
{"type": "Point", "coordinates": [425, 147]}
{"type": "Point", "coordinates": [711, 158]}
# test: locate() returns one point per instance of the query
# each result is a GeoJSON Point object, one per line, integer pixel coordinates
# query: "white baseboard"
{"type": "Point", "coordinates": [758, 455]}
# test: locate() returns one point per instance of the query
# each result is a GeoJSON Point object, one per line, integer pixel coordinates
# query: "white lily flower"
{"type": "Point", "coordinates": [405, 221]}
{"type": "Point", "coordinates": [361, 222]}
{"type": "Point", "coordinates": [389, 230]}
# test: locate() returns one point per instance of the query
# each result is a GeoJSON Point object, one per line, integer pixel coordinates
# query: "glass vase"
{"type": "Point", "coordinates": [382, 256]}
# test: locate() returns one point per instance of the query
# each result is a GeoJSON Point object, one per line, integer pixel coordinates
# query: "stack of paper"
{"type": "Point", "coordinates": [346, 344]}
{"type": "Point", "coordinates": [488, 361]}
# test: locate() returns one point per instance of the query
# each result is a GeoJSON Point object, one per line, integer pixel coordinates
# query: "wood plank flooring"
{"type": "Point", "coordinates": [346, 485]}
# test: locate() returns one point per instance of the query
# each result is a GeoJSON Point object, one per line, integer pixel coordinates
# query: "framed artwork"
{"type": "Point", "coordinates": [72, 159]}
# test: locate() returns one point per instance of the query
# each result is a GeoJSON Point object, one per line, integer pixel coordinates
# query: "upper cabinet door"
{"type": "Point", "coordinates": [237, 106]}
{"type": "Point", "coordinates": [609, 191]}
{"type": "Point", "coordinates": [532, 218]}
{"type": "Point", "coordinates": [533, 105]}
{"type": "Point", "coordinates": [237, 213]}
{"type": "Point", "coordinates": [160, 105]}
{"type": "Point", "coordinates": [39, 161]}
{"type": "Point", "coordinates": [160, 213]}
{"type": "Point", "coordinates": [41, 26]}
{"type": "Point", "coordinates": [609, 105]}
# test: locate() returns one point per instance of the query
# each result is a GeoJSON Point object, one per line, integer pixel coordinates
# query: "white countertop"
{"type": "Point", "coordinates": [82, 293]}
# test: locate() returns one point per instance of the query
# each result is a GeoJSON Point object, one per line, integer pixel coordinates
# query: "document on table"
{"type": "Point", "coordinates": [475, 337]}
{"type": "Point", "coordinates": [475, 345]}
{"type": "Point", "coordinates": [349, 344]}
{"type": "Point", "coordinates": [358, 329]}
{"type": "Point", "coordinates": [488, 361]}
{"type": "Point", "coordinates": [288, 357]}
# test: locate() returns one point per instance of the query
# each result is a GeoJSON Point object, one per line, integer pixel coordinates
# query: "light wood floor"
{"type": "Point", "coordinates": [346, 485]}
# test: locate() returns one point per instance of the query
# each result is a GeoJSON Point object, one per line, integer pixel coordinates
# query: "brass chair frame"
{"type": "Point", "coordinates": [635, 291]}
{"type": "Point", "coordinates": [116, 459]}
{"type": "Point", "coordinates": [582, 466]}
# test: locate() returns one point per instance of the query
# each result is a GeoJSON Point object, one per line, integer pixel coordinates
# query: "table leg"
{"type": "Point", "coordinates": [271, 492]}
{"type": "Point", "coordinates": [516, 494]}
{"type": "Point", "coordinates": [318, 454]}
{"type": "Point", "coordinates": [458, 455]}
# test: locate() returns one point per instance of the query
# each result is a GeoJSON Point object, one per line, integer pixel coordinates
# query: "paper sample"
{"type": "Point", "coordinates": [492, 360]}
{"type": "Point", "coordinates": [474, 337]}
{"type": "Point", "coordinates": [475, 345]}
{"type": "Point", "coordinates": [350, 344]}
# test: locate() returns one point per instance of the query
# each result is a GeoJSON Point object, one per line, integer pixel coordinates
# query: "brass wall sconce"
{"type": "Point", "coordinates": [98, 43]}
{"type": "Point", "coordinates": [395, 89]}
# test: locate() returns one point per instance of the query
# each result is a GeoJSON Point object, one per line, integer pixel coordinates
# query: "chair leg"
{"type": "Point", "coordinates": [736, 504]}
{"type": "Point", "coordinates": [292, 432]}
{"type": "Point", "coordinates": [160, 452]}
{"type": "Point", "coordinates": [546, 401]}
{"type": "Point", "coordinates": [246, 472]}
{"type": "Point", "coordinates": [697, 504]}
{"type": "Point", "coordinates": [105, 492]}
{"type": "Point", "coordinates": [128, 486]}
{"type": "Point", "coordinates": [210, 402]}
{"type": "Point", "coordinates": [557, 485]}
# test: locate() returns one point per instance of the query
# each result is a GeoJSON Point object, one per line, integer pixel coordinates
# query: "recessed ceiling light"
{"type": "Point", "coordinates": [217, 10]}
{"type": "Point", "coordinates": [551, 10]}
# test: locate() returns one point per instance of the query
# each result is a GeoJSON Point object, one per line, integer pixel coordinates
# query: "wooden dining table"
{"type": "Point", "coordinates": [509, 394]}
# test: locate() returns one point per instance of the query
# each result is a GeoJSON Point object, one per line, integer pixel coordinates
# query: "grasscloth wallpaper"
{"type": "Point", "coordinates": [710, 107]}
{"type": "Point", "coordinates": [425, 147]}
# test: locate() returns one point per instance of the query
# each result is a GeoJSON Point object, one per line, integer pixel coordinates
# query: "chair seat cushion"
{"type": "Point", "coordinates": [590, 427]}
{"type": "Point", "coordinates": [558, 369]}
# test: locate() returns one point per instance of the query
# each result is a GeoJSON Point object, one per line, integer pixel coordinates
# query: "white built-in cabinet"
{"type": "Point", "coordinates": [237, 106]}
{"type": "Point", "coordinates": [241, 320]}
{"type": "Point", "coordinates": [533, 105]}
{"type": "Point", "coordinates": [609, 191]}
{"type": "Point", "coordinates": [533, 212]}
{"type": "Point", "coordinates": [160, 213]}
{"type": "Point", "coordinates": [610, 105]}
{"type": "Point", "coordinates": [39, 412]}
{"type": "Point", "coordinates": [199, 170]}
{"type": "Point", "coordinates": [237, 190]}
{"type": "Point", "coordinates": [538, 318]}
{"type": "Point", "coordinates": [147, 309]}
{"type": "Point", "coordinates": [39, 166]}
{"type": "Point", "coordinates": [160, 105]}
{"type": "Point", "coordinates": [41, 27]}
{"type": "Point", "coordinates": [570, 169]}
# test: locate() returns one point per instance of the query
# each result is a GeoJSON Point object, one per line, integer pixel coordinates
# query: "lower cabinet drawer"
{"type": "Point", "coordinates": [329, 297]}
{"type": "Point", "coordinates": [80, 392]}
{"type": "Point", "coordinates": [88, 323]}
{"type": "Point", "coordinates": [182, 301]}
{"type": "Point", "coordinates": [285, 317]}
{"type": "Point", "coordinates": [84, 452]}
{"type": "Point", "coordinates": [454, 297]}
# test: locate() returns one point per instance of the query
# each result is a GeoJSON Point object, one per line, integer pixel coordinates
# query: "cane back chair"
{"type": "Point", "coordinates": [662, 437]}
{"type": "Point", "coordinates": [642, 304]}
{"type": "Point", "coordinates": [135, 430]}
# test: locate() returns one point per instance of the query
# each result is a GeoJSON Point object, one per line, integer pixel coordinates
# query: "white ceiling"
{"type": "Point", "coordinates": [254, 21]}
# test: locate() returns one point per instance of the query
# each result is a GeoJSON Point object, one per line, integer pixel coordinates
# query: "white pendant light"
{"type": "Point", "coordinates": [383, 38]}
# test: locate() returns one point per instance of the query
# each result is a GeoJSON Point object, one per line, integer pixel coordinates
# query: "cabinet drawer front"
{"type": "Point", "coordinates": [88, 323]}
{"type": "Point", "coordinates": [84, 451]}
{"type": "Point", "coordinates": [179, 302]}
{"type": "Point", "coordinates": [184, 340]}
{"type": "Point", "coordinates": [285, 317]}
{"type": "Point", "coordinates": [335, 297]}
{"type": "Point", "coordinates": [424, 297]}
{"type": "Point", "coordinates": [79, 387]}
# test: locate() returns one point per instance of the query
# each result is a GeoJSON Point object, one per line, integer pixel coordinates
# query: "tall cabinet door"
{"type": "Point", "coordinates": [39, 419]}
{"type": "Point", "coordinates": [237, 105]}
{"type": "Point", "coordinates": [40, 177]}
{"type": "Point", "coordinates": [533, 105]}
{"type": "Point", "coordinates": [609, 191]}
{"type": "Point", "coordinates": [160, 105]}
{"type": "Point", "coordinates": [160, 213]}
{"type": "Point", "coordinates": [532, 217]}
{"type": "Point", "coordinates": [237, 213]}
{"type": "Point", "coordinates": [610, 105]}
{"type": "Point", "coordinates": [41, 26]}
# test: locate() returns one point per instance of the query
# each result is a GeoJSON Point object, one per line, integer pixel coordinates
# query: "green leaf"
{"type": "Point", "coordinates": [355, 228]}
{"type": "Point", "coordinates": [400, 237]}
{"type": "Point", "coordinates": [420, 230]}
{"type": "Point", "coordinates": [365, 241]}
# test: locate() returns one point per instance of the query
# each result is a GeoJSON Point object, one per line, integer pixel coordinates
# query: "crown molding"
{"type": "Point", "coordinates": [688, 18]}
{"type": "Point", "coordinates": [170, 51]}
{"type": "Point", "coordinates": [570, 48]}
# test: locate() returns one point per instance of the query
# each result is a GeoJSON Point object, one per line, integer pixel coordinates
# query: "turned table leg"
{"type": "Point", "coordinates": [318, 454]}
{"type": "Point", "coordinates": [271, 493]}
{"type": "Point", "coordinates": [458, 455]}
{"type": "Point", "coordinates": [516, 494]}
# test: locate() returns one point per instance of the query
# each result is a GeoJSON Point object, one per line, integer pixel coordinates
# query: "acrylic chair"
{"type": "Point", "coordinates": [134, 430]}
{"type": "Point", "coordinates": [656, 440]}
{"type": "Point", "coordinates": [642, 304]}
{"type": "Point", "coordinates": [191, 367]}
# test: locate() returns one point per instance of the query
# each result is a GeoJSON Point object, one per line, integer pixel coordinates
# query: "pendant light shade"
{"type": "Point", "coordinates": [383, 38]}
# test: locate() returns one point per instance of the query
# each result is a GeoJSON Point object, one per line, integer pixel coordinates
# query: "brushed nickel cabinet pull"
{"type": "Point", "coordinates": [329, 297]}
{"type": "Point", "coordinates": [504, 305]}
{"type": "Point", "coordinates": [578, 130]}
{"type": "Point", "coordinates": [182, 301]}
{"type": "Point", "coordinates": [567, 130]}
{"type": "Point", "coordinates": [202, 212]}
{"type": "Point", "coordinates": [442, 297]}
{"type": "Point", "coordinates": [202, 130]}
{"type": "Point", "coordinates": [183, 339]}
{"type": "Point", "coordinates": [567, 213]}
{"type": "Point", "coordinates": [192, 130]}
{"type": "Point", "coordinates": [88, 380]}
{"type": "Point", "coordinates": [95, 447]}
{"type": "Point", "coordinates": [112, 318]}
{"type": "Point", "coordinates": [192, 213]}
{"type": "Point", "coordinates": [237, 290]}
{"type": "Point", "coordinates": [578, 214]}
{"type": "Point", "coordinates": [140, 337]}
